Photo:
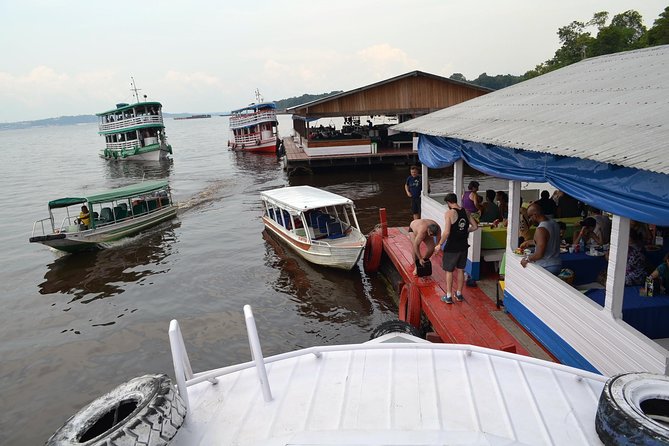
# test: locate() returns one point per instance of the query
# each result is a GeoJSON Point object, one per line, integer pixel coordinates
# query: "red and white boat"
{"type": "Point", "coordinates": [254, 128]}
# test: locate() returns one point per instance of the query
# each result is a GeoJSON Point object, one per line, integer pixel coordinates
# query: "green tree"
{"type": "Point", "coordinates": [626, 32]}
{"type": "Point", "coordinates": [659, 33]}
{"type": "Point", "coordinates": [458, 77]}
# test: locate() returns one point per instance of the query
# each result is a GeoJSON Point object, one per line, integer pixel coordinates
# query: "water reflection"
{"type": "Point", "coordinates": [139, 170]}
{"type": "Point", "coordinates": [320, 293]}
{"type": "Point", "coordinates": [262, 166]}
{"type": "Point", "coordinates": [89, 276]}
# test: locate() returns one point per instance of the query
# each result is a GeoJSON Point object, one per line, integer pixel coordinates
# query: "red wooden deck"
{"type": "Point", "coordinates": [468, 322]}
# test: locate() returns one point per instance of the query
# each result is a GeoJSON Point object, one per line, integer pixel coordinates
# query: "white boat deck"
{"type": "Point", "coordinates": [397, 393]}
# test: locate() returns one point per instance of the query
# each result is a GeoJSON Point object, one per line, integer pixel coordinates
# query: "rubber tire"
{"type": "Point", "coordinates": [371, 260]}
{"type": "Point", "coordinates": [157, 417]}
{"type": "Point", "coordinates": [620, 419]}
{"type": "Point", "coordinates": [394, 326]}
{"type": "Point", "coordinates": [409, 307]}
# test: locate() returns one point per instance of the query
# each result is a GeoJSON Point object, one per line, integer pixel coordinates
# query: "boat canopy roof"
{"type": "Point", "coordinates": [254, 107]}
{"type": "Point", "coordinates": [65, 202]}
{"type": "Point", "coordinates": [122, 107]}
{"type": "Point", "coordinates": [303, 198]}
{"type": "Point", "coordinates": [129, 191]}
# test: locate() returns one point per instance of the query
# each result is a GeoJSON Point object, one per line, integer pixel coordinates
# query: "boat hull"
{"type": "Point", "coordinates": [266, 146]}
{"type": "Point", "coordinates": [97, 238]}
{"type": "Point", "coordinates": [342, 253]}
{"type": "Point", "coordinates": [155, 152]}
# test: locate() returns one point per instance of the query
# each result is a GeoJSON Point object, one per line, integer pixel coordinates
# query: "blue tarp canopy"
{"type": "Point", "coordinates": [636, 194]}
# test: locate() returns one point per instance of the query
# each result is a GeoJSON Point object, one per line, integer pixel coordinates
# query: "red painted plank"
{"type": "Point", "coordinates": [469, 322]}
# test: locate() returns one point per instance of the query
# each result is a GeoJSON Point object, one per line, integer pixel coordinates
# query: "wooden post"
{"type": "Point", "coordinates": [384, 222]}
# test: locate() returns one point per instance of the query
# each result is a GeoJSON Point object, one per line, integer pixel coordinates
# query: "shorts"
{"type": "Point", "coordinates": [415, 205]}
{"type": "Point", "coordinates": [453, 260]}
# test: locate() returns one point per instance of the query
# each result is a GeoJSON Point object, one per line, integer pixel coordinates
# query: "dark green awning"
{"type": "Point", "coordinates": [65, 202]}
{"type": "Point", "coordinates": [130, 191]}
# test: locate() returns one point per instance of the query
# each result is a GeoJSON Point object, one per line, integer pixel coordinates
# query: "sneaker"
{"type": "Point", "coordinates": [447, 299]}
{"type": "Point", "coordinates": [459, 297]}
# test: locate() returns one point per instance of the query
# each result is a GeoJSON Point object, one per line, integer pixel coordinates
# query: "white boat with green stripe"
{"type": "Point", "coordinates": [112, 215]}
{"type": "Point", "coordinates": [134, 132]}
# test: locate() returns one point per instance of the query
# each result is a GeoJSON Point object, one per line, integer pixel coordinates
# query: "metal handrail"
{"type": "Point", "coordinates": [255, 118]}
{"type": "Point", "coordinates": [131, 122]}
{"type": "Point", "coordinates": [123, 145]}
{"type": "Point", "coordinates": [42, 223]}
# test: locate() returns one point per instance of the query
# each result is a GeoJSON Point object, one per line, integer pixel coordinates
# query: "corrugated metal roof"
{"type": "Point", "coordinates": [613, 109]}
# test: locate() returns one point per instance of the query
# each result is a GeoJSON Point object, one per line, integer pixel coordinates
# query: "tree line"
{"type": "Point", "coordinates": [596, 37]}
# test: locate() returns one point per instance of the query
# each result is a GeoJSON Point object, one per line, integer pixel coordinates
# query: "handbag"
{"type": "Point", "coordinates": [425, 269]}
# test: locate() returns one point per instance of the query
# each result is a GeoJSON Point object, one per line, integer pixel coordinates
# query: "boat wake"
{"type": "Point", "coordinates": [210, 194]}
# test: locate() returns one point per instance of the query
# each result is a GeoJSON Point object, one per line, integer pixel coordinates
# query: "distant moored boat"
{"type": "Point", "coordinates": [134, 131]}
{"type": "Point", "coordinates": [254, 127]}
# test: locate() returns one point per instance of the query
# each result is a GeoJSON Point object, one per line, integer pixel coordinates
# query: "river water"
{"type": "Point", "coordinates": [74, 326]}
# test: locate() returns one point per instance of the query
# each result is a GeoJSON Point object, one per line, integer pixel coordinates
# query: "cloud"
{"type": "Point", "coordinates": [386, 60]}
{"type": "Point", "coordinates": [196, 79]}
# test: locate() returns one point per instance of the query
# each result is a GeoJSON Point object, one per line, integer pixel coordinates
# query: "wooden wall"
{"type": "Point", "coordinates": [409, 95]}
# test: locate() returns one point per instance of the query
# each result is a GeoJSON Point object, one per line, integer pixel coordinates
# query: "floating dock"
{"type": "Point", "coordinates": [297, 160]}
{"type": "Point", "coordinates": [476, 320]}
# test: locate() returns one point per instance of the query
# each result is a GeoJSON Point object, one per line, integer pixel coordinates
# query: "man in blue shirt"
{"type": "Point", "coordinates": [413, 188]}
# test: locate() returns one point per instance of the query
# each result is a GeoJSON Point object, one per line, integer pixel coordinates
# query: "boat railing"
{"type": "Point", "coordinates": [250, 139]}
{"type": "Point", "coordinates": [41, 222]}
{"type": "Point", "coordinates": [131, 122]}
{"type": "Point", "coordinates": [67, 225]}
{"type": "Point", "coordinates": [185, 377]}
{"type": "Point", "coordinates": [237, 121]}
{"type": "Point", "coordinates": [123, 144]}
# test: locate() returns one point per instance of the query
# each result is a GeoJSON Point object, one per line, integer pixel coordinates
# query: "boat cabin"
{"type": "Point", "coordinates": [313, 221]}
{"type": "Point", "coordinates": [254, 125]}
{"type": "Point", "coordinates": [131, 129]}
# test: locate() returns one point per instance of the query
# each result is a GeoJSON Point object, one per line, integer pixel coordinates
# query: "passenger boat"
{"type": "Point", "coordinates": [114, 214]}
{"type": "Point", "coordinates": [134, 131]}
{"type": "Point", "coordinates": [396, 389]}
{"type": "Point", "coordinates": [319, 225]}
{"type": "Point", "coordinates": [254, 128]}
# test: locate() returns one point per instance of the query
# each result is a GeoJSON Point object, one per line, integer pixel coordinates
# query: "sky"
{"type": "Point", "coordinates": [77, 57]}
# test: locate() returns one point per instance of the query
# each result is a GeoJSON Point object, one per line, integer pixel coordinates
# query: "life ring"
{"type": "Point", "coordinates": [409, 307]}
{"type": "Point", "coordinates": [394, 326]}
{"type": "Point", "coordinates": [148, 403]}
{"type": "Point", "coordinates": [371, 260]}
{"type": "Point", "coordinates": [634, 409]}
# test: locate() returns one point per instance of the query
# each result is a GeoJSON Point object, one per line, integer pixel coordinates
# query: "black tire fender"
{"type": "Point", "coordinates": [634, 409]}
{"type": "Point", "coordinates": [146, 411]}
{"type": "Point", "coordinates": [394, 326]}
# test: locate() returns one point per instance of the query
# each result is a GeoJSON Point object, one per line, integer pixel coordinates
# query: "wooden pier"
{"type": "Point", "coordinates": [297, 160]}
{"type": "Point", "coordinates": [475, 321]}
